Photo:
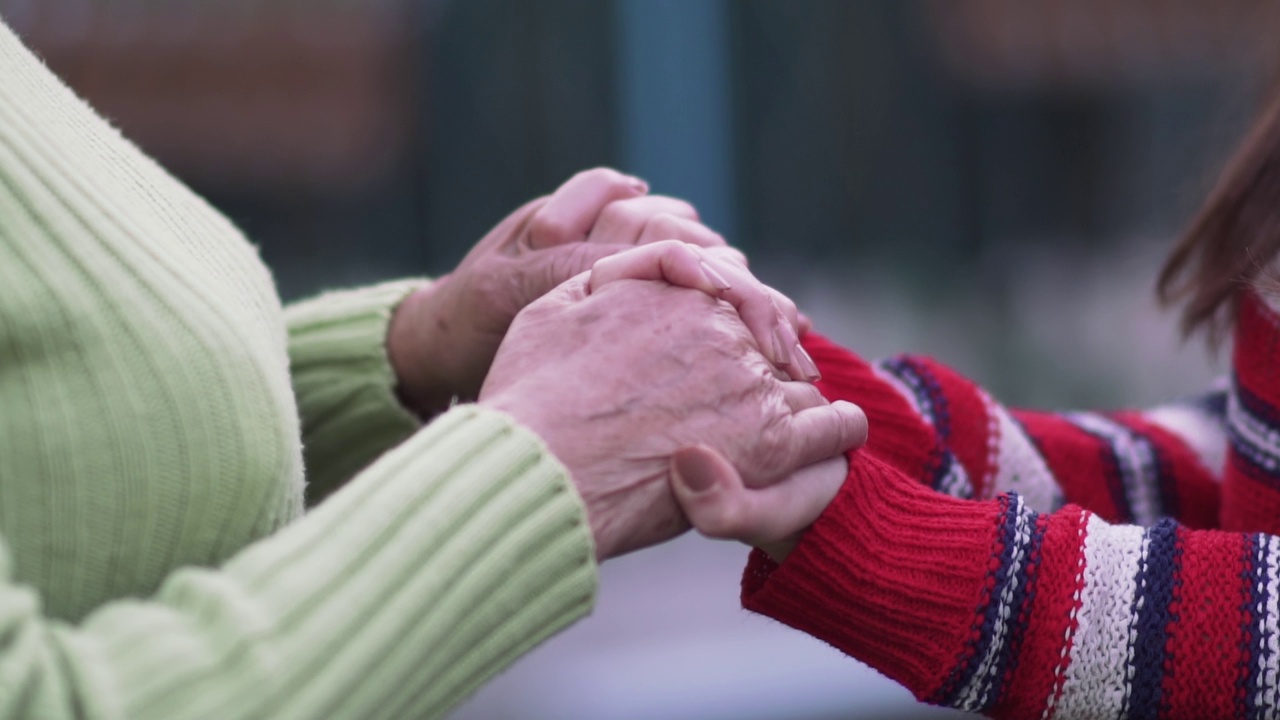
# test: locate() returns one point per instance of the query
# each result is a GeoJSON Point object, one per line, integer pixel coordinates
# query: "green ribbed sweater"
{"type": "Point", "coordinates": [154, 558]}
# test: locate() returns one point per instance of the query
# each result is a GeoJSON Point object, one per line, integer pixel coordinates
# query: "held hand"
{"type": "Point", "coordinates": [443, 338]}
{"type": "Point", "coordinates": [719, 505]}
{"type": "Point", "coordinates": [616, 380]}
{"type": "Point", "coordinates": [720, 272]}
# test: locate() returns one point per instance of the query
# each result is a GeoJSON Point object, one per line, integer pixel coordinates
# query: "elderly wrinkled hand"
{"type": "Point", "coordinates": [618, 377]}
{"type": "Point", "coordinates": [443, 337]}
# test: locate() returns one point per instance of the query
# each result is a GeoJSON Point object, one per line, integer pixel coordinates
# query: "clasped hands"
{"type": "Point", "coordinates": [666, 378]}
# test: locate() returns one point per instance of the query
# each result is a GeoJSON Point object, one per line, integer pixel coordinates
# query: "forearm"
{"type": "Point", "coordinates": [424, 576]}
{"type": "Point", "coordinates": [940, 428]}
{"type": "Point", "coordinates": [991, 607]}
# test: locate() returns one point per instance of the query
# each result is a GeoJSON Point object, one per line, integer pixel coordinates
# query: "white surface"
{"type": "Point", "coordinates": [670, 640]}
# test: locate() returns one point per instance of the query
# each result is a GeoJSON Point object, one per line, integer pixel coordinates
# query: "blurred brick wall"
{"type": "Point", "coordinates": [1005, 43]}
{"type": "Point", "coordinates": [260, 96]}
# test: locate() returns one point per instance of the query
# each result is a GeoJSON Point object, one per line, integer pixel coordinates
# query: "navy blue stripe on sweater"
{"type": "Point", "coordinates": [946, 474]}
{"type": "Point", "coordinates": [977, 683]}
{"type": "Point", "coordinates": [1151, 606]}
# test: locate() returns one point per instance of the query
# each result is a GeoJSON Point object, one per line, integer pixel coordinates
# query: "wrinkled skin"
{"type": "Point", "coordinates": [617, 380]}
{"type": "Point", "coordinates": [443, 338]}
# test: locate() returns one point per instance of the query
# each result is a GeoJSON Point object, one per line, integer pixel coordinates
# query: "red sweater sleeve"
{"type": "Point", "coordinates": [1018, 607]}
{"type": "Point", "coordinates": [938, 427]}
{"type": "Point", "coordinates": [991, 607]}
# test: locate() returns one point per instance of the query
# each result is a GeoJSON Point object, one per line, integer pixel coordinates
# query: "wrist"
{"type": "Point", "coordinates": [830, 474]}
{"type": "Point", "coordinates": [415, 338]}
{"type": "Point", "coordinates": [606, 521]}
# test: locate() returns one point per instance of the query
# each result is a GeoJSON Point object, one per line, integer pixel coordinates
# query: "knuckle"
{"type": "Point", "coordinates": [730, 254]}
{"type": "Point", "coordinates": [599, 173]}
{"type": "Point", "coordinates": [686, 209]}
{"type": "Point", "coordinates": [716, 240]}
{"type": "Point", "coordinates": [669, 247]}
{"type": "Point", "coordinates": [621, 214]}
{"type": "Point", "coordinates": [667, 226]}
{"type": "Point", "coordinates": [603, 176]}
{"type": "Point", "coordinates": [846, 432]}
{"type": "Point", "coordinates": [550, 227]}
{"type": "Point", "coordinates": [784, 303]}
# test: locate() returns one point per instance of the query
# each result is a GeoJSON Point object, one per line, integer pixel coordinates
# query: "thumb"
{"type": "Point", "coordinates": [712, 495]}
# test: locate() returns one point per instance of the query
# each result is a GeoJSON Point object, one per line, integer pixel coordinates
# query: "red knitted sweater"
{"type": "Point", "coordinates": [952, 562]}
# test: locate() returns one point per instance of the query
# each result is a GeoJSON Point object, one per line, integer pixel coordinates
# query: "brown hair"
{"type": "Point", "coordinates": [1233, 237]}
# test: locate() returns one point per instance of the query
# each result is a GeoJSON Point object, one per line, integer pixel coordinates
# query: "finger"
{"type": "Point", "coordinates": [572, 209]}
{"type": "Point", "coordinates": [802, 396]}
{"type": "Point", "coordinates": [788, 308]}
{"type": "Point", "coordinates": [729, 253]}
{"type": "Point", "coordinates": [824, 432]}
{"type": "Point", "coordinates": [623, 221]}
{"type": "Point", "coordinates": [715, 500]}
{"type": "Point", "coordinates": [802, 366]}
{"type": "Point", "coordinates": [670, 227]}
{"type": "Point", "coordinates": [773, 331]}
{"type": "Point", "coordinates": [671, 261]}
{"type": "Point", "coordinates": [684, 266]}
{"type": "Point", "coordinates": [803, 324]}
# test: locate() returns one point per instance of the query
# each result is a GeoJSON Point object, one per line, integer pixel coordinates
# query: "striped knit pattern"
{"type": "Point", "coordinates": [1126, 466]}
{"type": "Point", "coordinates": [1023, 607]}
{"type": "Point", "coordinates": [1251, 489]}
{"type": "Point", "coordinates": [984, 666]}
{"type": "Point", "coordinates": [1251, 428]}
{"type": "Point", "coordinates": [154, 559]}
{"type": "Point", "coordinates": [913, 379]}
{"type": "Point", "coordinates": [1139, 485]}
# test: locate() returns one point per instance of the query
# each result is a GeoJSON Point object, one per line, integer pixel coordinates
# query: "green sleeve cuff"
{"type": "Point", "coordinates": [344, 381]}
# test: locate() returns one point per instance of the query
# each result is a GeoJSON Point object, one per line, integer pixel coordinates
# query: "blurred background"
{"type": "Point", "coordinates": [992, 182]}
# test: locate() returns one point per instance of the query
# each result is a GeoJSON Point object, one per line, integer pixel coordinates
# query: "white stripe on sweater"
{"type": "Point", "coordinates": [902, 389]}
{"type": "Point", "coordinates": [1263, 440]}
{"type": "Point", "coordinates": [1135, 459]}
{"type": "Point", "coordinates": [1018, 465]}
{"type": "Point", "coordinates": [976, 694]}
{"type": "Point", "coordinates": [1268, 695]}
{"type": "Point", "coordinates": [1098, 676]}
{"type": "Point", "coordinates": [1199, 429]}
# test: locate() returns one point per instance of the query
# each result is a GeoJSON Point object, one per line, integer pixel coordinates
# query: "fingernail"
{"type": "Point", "coordinates": [780, 355]}
{"type": "Point", "coordinates": [639, 185]}
{"type": "Point", "coordinates": [807, 365]}
{"type": "Point", "coordinates": [713, 277]}
{"type": "Point", "coordinates": [693, 469]}
{"type": "Point", "coordinates": [789, 337]}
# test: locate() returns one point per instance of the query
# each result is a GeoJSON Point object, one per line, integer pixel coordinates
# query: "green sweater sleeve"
{"type": "Point", "coordinates": [428, 573]}
{"type": "Point", "coordinates": [344, 382]}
